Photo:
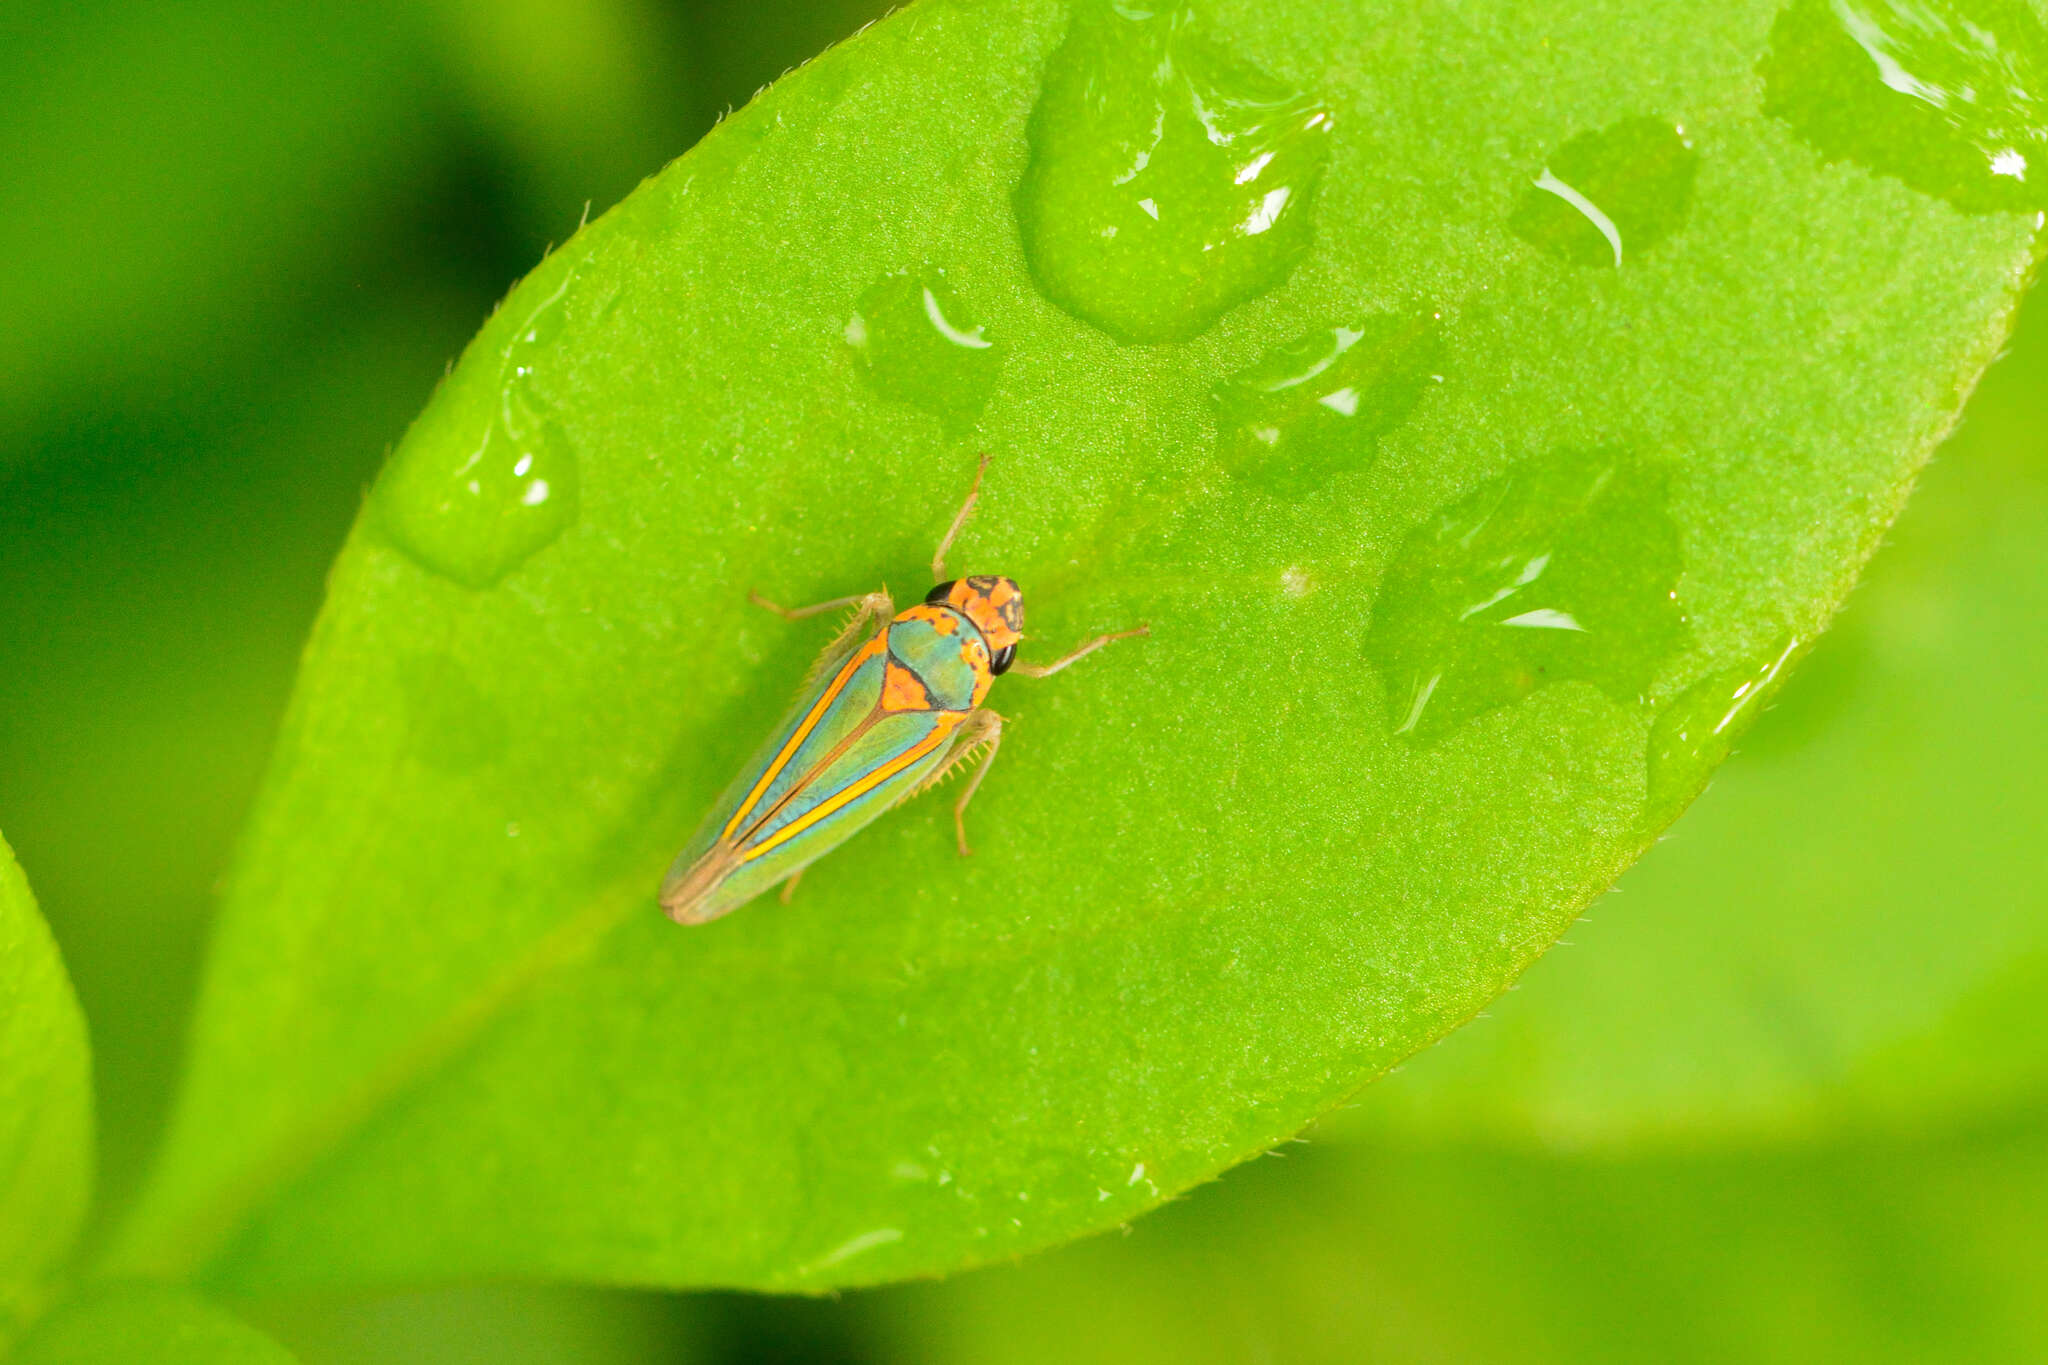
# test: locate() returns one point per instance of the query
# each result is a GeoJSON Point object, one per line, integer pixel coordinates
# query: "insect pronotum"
{"type": "Point", "coordinates": [892, 707]}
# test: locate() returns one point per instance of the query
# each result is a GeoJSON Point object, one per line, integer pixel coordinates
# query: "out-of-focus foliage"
{"type": "Point", "coordinates": [174, 179]}
{"type": "Point", "coordinates": [1859, 1251]}
{"type": "Point", "coordinates": [46, 1156]}
{"type": "Point", "coordinates": [145, 1322]}
{"type": "Point", "coordinates": [499, 1325]}
{"type": "Point", "coordinates": [580, 98]}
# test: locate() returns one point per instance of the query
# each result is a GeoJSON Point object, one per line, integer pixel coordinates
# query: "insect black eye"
{"type": "Point", "coordinates": [940, 593]}
{"type": "Point", "coordinates": [999, 662]}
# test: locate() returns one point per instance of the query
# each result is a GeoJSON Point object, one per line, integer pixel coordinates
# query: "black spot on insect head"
{"type": "Point", "coordinates": [1000, 661]}
{"type": "Point", "coordinates": [939, 594]}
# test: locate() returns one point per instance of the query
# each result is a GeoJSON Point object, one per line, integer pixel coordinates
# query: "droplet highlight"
{"type": "Point", "coordinates": [1949, 96]}
{"type": "Point", "coordinates": [1605, 197]}
{"type": "Point", "coordinates": [920, 344]}
{"type": "Point", "coordinates": [486, 478]}
{"type": "Point", "coordinates": [1696, 732]}
{"type": "Point", "coordinates": [1563, 569]}
{"type": "Point", "coordinates": [1316, 406]}
{"type": "Point", "coordinates": [1168, 180]}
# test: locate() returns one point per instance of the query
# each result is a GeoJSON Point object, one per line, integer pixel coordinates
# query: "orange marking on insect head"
{"type": "Point", "coordinates": [994, 604]}
{"type": "Point", "coordinates": [976, 655]}
{"type": "Point", "coordinates": [938, 618]}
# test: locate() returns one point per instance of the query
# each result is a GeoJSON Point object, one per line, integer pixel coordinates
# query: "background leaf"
{"type": "Point", "coordinates": [166, 1326]}
{"type": "Point", "coordinates": [1862, 1251]}
{"type": "Point", "coordinates": [45, 1105]}
{"type": "Point", "coordinates": [176, 176]}
{"type": "Point", "coordinates": [506, 1324]}
{"type": "Point", "coordinates": [444, 1034]}
{"type": "Point", "coordinates": [127, 279]}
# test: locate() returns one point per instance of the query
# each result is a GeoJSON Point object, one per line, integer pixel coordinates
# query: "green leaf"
{"type": "Point", "coordinates": [1849, 929]}
{"type": "Point", "coordinates": [1226, 874]}
{"type": "Point", "coordinates": [136, 1322]}
{"type": "Point", "coordinates": [45, 1105]}
{"type": "Point", "coordinates": [1869, 1251]}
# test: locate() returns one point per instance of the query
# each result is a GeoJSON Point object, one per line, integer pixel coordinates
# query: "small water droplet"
{"type": "Point", "coordinates": [486, 477]}
{"type": "Point", "coordinates": [1604, 197]}
{"type": "Point", "coordinates": [1314, 407]}
{"type": "Point", "coordinates": [1950, 96]}
{"type": "Point", "coordinates": [1565, 568]}
{"type": "Point", "coordinates": [921, 345]}
{"type": "Point", "coordinates": [1694, 733]}
{"type": "Point", "coordinates": [1168, 181]}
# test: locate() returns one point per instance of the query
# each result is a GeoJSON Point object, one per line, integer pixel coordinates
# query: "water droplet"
{"type": "Point", "coordinates": [1565, 568]}
{"type": "Point", "coordinates": [486, 478]}
{"type": "Point", "coordinates": [1168, 181]}
{"type": "Point", "coordinates": [1314, 407]}
{"type": "Point", "coordinates": [922, 346]}
{"type": "Point", "coordinates": [1604, 197]}
{"type": "Point", "coordinates": [1950, 96]}
{"type": "Point", "coordinates": [1693, 734]}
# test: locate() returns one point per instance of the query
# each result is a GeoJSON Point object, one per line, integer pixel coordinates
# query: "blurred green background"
{"type": "Point", "coordinates": [1785, 1096]}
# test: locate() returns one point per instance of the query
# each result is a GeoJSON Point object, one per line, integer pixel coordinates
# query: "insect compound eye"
{"type": "Point", "coordinates": [942, 591]}
{"type": "Point", "coordinates": [999, 662]}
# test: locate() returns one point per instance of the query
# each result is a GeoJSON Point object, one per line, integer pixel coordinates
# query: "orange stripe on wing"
{"type": "Point", "coordinates": [803, 730]}
{"type": "Point", "coordinates": [947, 722]}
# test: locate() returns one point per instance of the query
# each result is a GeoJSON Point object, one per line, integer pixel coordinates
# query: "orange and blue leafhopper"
{"type": "Point", "coordinates": [892, 707]}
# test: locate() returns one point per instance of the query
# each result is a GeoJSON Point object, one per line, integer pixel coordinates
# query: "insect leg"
{"type": "Point", "coordinates": [995, 740]}
{"type": "Point", "coordinates": [959, 520]}
{"type": "Point", "coordinates": [983, 731]}
{"type": "Point", "coordinates": [864, 599]}
{"type": "Point", "coordinates": [1047, 670]}
{"type": "Point", "coordinates": [789, 887]}
{"type": "Point", "coordinates": [869, 608]}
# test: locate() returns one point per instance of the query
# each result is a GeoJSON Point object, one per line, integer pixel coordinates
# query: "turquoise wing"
{"type": "Point", "coordinates": [863, 738]}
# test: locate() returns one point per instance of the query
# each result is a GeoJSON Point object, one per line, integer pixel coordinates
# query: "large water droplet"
{"type": "Point", "coordinates": [1563, 569]}
{"type": "Point", "coordinates": [1693, 734]}
{"type": "Point", "coordinates": [921, 345]}
{"type": "Point", "coordinates": [1168, 181]}
{"type": "Point", "coordinates": [1314, 407]}
{"type": "Point", "coordinates": [1950, 96]}
{"type": "Point", "coordinates": [486, 477]}
{"type": "Point", "coordinates": [1604, 197]}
